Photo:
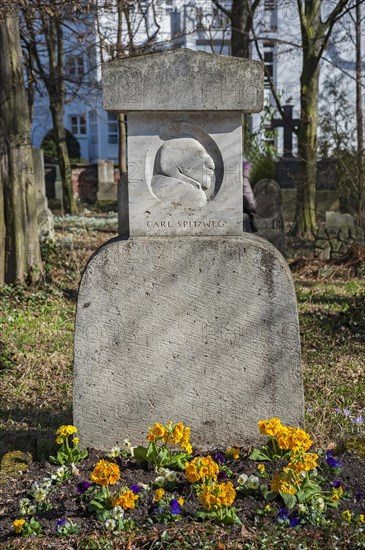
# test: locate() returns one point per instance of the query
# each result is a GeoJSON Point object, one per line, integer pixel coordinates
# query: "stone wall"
{"type": "Point", "coordinates": [334, 241]}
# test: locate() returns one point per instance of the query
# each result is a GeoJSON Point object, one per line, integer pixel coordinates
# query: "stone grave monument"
{"type": "Point", "coordinates": [107, 188]}
{"type": "Point", "coordinates": [269, 219]}
{"type": "Point", "coordinates": [189, 319]}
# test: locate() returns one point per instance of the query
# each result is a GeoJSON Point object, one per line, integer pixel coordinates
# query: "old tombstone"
{"type": "Point", "coordinates": [45, 216]}
{"type": "Point", "coordinates": [189, 319]}
{"type": "Point", "coordinates": [107, 188]}
{"type": "Point", "coordinates": [269, 220]}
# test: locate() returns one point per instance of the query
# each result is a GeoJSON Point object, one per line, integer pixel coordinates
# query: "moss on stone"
{"type": "Point", "coordinates": [13, 463]}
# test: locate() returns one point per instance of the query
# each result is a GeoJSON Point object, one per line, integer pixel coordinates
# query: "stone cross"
{"type": "Point", "coordinates": [289, 124]}
{"type": "Point", "coordinates": [189, 319]}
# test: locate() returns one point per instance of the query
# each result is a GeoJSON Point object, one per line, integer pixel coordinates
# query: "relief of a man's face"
{"type": "Point", "coordinates": [186, 156]}
{"type": "Point", "coordinates": [201, 167]}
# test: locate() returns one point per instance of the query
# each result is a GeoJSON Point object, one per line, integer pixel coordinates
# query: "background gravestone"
{"type": "Point", "coordinates": [45, 216]}
{"type": "Point", "coordinates": [188, 320]}
{"type": "Point", "coordinates": [107, 188]}
{"type": "Point", "coordinates": [269, 218]}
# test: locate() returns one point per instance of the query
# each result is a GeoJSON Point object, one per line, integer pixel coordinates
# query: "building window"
{"type": "Point", "coordinates": [93, 125]}
{"type": "Point", "coordinates": [269, 49]}
{"type": "Point", "coordinates": [78, 125]}
{"type": "Point", "coordinates": [75, 67]}
{"type": "Point", "coordinates": [112, 129]}
{"type": "Point", "coordinates": [270, 15]}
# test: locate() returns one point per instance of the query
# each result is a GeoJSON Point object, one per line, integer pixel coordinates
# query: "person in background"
{"type": "Point", "coordinates": [249, 202]}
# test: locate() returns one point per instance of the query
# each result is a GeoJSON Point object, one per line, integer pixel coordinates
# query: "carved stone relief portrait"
{"type": "Point", "coordinates": [184, 172]}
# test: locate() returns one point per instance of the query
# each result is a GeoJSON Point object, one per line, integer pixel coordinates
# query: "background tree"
{"type": "Point", "coordinates": [241, 17]}
{"type": "Point", "coordinates": [20, 259]}
{"type": "Point", "coordinates": [316, 27]}
{"type": "Point", "coordinates": [315, 31]}
{"type": "Point", "coordinates": [43, 26]}
{"type": "Point", "coordinates": [134, 31]}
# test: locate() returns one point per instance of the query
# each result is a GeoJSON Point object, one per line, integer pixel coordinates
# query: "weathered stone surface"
{"type": "Point", "coordinates": [343, 233]}
{"type": "Point", "coordinates": [269, 218]}
{"type": "Point", "coordinates": [202, 330]}
{"type": "Point", "coordinates": [185, 174]}
{"type": "Point", "coordinates": [332, 231]}
{"type": "Point", "coordinates": [107, 188]}
{"type": "Point", "coordinates": [183, 80]}
{"type": "Point", "coordinates": [336, 218]}
{"type": "Point", "coordinates": [325, 252]}
{"type": "Point", "coordinates": [335, 245]}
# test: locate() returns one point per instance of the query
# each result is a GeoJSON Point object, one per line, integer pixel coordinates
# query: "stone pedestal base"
{"type": "Point", "coordinates": [200, 330]}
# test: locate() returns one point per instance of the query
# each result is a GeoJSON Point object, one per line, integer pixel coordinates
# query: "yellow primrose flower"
{"type": "Point", "coordinates": [63, 432]}
{"type": "Point", "coordinates": [181, 501]}
{"type": "Point", "coordinates": [177, 433]}
{"type": "Point", "coordinates": [76, 440]}
{"type": "Point", "coordinates": [233, 452]}
{"type": "Point", "coordinates": [158, 495]}
{"type": "Point", "coordinates": [300, 462]}
{"type": "Point", "coordinates": [270, 427]}
{"type": "Point", "coordinates": [261, 468]}
{"type": "Point", "coordinates": [347, 516]}
{"type": "Point", "coordinates": [201, 468]}
{"type": "Point", "coordinates": [218, 495]}
{"type": "Point", "coordinates": [157, 432]}
{"type": "Point", "coordinates": [361, 519]}
{"type": "Point", "coordinates": [268, 508]}
{"type": "Point", "coordinates": [105, 473]}
{"type": "Point", "coordinates": [285, 482]}
{"type": "Point", "coordinates": [127, 499]}
{"type": "Point", "coordinates": [18, 525]}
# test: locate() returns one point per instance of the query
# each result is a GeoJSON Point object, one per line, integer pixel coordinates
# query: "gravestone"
{"type": "Point", "coordinates": [189, 319]}
{"type": "Point", "coordinates": [269, 219]}
{"type": "Point", "coordinates": [45, 216]}
{"type": "Point", "coordinates": [107, 188]}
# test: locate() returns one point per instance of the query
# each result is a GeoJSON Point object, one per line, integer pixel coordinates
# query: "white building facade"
{"type": "Point", "coordinates": [198, 25]}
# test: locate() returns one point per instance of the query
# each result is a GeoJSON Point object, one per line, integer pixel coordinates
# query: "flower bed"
{"type": "Point", "coordinates": [284, 483]}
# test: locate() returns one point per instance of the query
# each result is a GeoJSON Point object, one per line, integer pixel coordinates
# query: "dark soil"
{"type": "Point", "coordinates": [66, 503]}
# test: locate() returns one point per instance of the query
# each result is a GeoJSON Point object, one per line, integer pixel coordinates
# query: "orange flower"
{"type": "Point", "coordinates": [105, 473]}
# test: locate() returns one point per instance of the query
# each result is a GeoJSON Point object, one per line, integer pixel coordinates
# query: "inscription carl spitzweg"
{"type": "Point", "coordinates": [184, 223]}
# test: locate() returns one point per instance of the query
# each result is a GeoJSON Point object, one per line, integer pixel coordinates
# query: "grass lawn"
{"type": "Point", "coordinates": [36, 338]}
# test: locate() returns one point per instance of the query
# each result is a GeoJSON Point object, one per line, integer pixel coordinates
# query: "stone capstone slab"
{"type": "Point", "coordinates": [199, 330]}
{"type": "Point", "coordinates": [183, 80]}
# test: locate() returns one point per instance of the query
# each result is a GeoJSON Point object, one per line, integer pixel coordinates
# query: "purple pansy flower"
{"type": "Point", "coordinates": [336, 483]}
{"type": "Point", "coordinates": [283, 514]}
{"type": "Point", "coordinates": [61, 522]}
{"type": "Point", "coordinates": [293, 522]}
{"type": "Point", "coordinates": [219, 457]}
{"type": "Point", "coordinates": [135, 488]}
{"type": "Point", "coordinates": [82, 487]}
{"type": "Point", "coordinates": [221, 476]}
{"type": "Point", "coordinates": [331, 461]}
{"type": "Point", "coordinates": [175, 506]}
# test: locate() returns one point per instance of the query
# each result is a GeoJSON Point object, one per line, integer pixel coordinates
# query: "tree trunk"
{"type": "Point", "coordinates": [123, 204]}
{"type": "Point", "coordinates": [69, 203]}
{"type": "Point", "coordinates": [21, 260]}
{"type": "Point", "coordinates": [359, 117]}
{"type": "Point", "coordinates": [240, 33]}
{"type": "Point", "coordinates": [307, 150]}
